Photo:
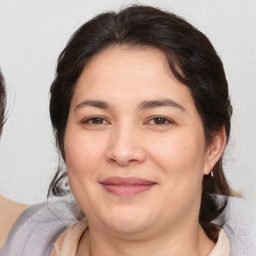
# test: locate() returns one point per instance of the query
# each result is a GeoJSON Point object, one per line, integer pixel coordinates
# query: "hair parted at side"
{"type": "Point", "coordinates": [2, 101]}
{"type": "Point", "coordinates": [192, 59]}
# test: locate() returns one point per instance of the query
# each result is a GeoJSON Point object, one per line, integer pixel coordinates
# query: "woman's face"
{"type": "Point", "coordinates": [134, 144]}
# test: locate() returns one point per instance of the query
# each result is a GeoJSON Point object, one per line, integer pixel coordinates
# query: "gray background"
{"type": "Point", "coordinates": [33, 33]}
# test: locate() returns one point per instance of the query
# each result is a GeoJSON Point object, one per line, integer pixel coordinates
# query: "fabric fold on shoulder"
{"type": "Point", "coordinates": [239, 225]}
{"type": "Point", "coordinates": [38, 227]}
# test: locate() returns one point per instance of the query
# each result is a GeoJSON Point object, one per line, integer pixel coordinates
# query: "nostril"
{"type": "Point", "coordinates": [119, 161]}
{"type": "Point", "coordinates": [124, 158]}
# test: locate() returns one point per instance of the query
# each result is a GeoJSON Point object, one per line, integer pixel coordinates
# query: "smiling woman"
{"type": "Point", "coordinates": [140, 129]}
{"type": "Point", "coordinates": [141, 113]}
{"type": "Point", "coordinates": [148, 146]}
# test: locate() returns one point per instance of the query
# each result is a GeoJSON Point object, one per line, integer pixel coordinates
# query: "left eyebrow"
{"type": "Point", "coordinates": [160, 103]}
{"type": "Point", "coordinates": [93, 103]}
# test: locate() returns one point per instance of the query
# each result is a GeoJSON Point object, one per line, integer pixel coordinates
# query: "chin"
{"type": "Point", "coordinates": [128, 226]}
{"type": "Point", "coordinates": [129, 221]}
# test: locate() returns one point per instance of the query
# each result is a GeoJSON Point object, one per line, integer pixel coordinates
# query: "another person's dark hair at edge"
{"type": "Point", "coordinates": [2, 101]}
{"type": "Point", "coordinates": [193, 61]}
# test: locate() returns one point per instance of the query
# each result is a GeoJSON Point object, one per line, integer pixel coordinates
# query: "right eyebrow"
{"type": "Point", "coordinates": [93, 103]}
{"type": "Point", "coordinates": [160, 103]}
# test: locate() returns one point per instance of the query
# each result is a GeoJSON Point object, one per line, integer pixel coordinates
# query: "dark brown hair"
{"type": "Point", "coordinates": [191, 58]}
{"type": "Point", "coordinates": [2, 101]}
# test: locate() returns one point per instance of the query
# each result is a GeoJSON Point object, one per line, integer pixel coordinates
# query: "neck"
{"type": "Point", "coordinates": [189, 241]}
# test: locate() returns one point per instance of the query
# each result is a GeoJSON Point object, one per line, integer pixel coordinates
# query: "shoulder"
{"type": "Point", "coordinates": [38, 227]}
{"type": "Point", "coordinates": [9, 212]}
{"type": "Point", "coordinates": [239, 225]}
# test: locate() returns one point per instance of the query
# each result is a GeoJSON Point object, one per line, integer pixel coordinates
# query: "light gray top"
{"type": "Point", "coordinates": [39, 226]}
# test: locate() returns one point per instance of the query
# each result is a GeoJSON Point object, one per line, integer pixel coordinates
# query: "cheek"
{"type": "Point", "coordinates": [178, 153]}
{"type": "Point", "coordinates": [83, 161]}
{"type": "Point", "coordinates": [181, 159]}
{"type": "Point", "coordinates": [83, 153]}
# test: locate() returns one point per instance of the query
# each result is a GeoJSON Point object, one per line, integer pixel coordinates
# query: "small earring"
{"type": "Point", "coordinates": [211, 173]}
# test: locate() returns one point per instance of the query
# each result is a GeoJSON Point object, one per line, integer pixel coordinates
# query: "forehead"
{"type": "Point", "coordinates": [128, 72]}
{"type": "Point", "coordinates": [131, 61]}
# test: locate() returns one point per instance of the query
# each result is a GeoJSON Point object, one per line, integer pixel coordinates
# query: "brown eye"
{"type": "Point", "coordinates": [160, 120]}
{"type": "Point", "coordinates": [95, 120]}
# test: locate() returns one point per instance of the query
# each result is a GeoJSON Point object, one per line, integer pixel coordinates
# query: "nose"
{"type": "Point", "coordinates": [125, 147]}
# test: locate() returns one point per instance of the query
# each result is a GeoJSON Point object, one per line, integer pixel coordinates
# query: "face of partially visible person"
{"type": "Point", "coordinates": [134, 144]}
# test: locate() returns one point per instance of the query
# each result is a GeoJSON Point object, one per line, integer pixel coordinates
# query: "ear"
{"type": "Point", "coordinates": [215, 150]}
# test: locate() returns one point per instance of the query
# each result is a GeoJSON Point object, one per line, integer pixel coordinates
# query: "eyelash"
{"type": "Point", "coordinates": [163, 120]}
{"type": "Point", "coordinates": [91, 120]}
{"type": "Point", "coordinates": [98, 120]}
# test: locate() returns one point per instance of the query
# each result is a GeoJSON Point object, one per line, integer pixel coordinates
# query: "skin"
{"type": "Point", "coordinates": [9, 212]}
{"type": "Point", "coordinates": [163, 144]}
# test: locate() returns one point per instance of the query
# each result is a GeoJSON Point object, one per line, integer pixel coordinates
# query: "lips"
{"type": "Point", "coordinates": [127, 186]}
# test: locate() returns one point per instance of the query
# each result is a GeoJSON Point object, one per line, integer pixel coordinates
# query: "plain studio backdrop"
{"type": "Point", "coordinates": [33, 33]}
